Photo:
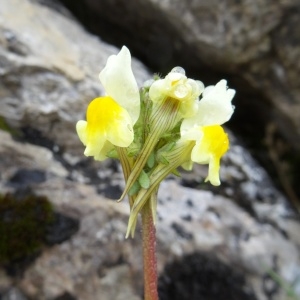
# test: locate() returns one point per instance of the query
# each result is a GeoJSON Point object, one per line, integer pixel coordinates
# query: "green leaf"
{"type": "Point", "coordinates": [134, 189]}
{"type": "Point", "coordinates": [144, 180]}
{"type": "Point", "coordinates": [151, 160]}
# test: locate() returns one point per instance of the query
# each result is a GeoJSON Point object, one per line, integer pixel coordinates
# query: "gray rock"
{"type": "Point", "coordinates": [48, 73]}
{"type": "Point", "coordinates": [211, 223]}
{"type": "Point", "coordinates": [16, 155]}
{"type": "Point", "coordinates": [13, 294]}
{"type": "Point", "coordinates": [189, 221]}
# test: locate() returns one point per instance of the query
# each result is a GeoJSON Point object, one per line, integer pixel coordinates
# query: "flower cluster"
{"type": "Point", "coordinates": [174, 121]}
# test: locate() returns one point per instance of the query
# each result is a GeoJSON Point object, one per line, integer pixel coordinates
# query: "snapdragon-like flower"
{"type": "Point", "coordinates": [167, 127]}
{"type": "Point", "coordinates": [204, 128]}
{"type": "Point", "coordinates": [110, 119]}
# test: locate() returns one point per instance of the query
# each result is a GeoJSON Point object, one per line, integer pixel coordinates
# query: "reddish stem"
{"type": "Point", "coordinates": [149, 254]}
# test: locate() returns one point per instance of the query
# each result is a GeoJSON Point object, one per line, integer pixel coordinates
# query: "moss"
{"type": "Point", "coordinates": [23, 223]}
{"type": "Point", "coordinates": [5, 127]}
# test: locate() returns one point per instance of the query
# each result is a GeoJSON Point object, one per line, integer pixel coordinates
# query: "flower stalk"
{"type": "Point", "coordinates": [149, 254]}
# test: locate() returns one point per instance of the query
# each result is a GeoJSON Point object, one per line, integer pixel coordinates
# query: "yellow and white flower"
{"type": "Point", "coordinates": [110, 119]}
{"type": "Point", "coordinates": [204, 128]}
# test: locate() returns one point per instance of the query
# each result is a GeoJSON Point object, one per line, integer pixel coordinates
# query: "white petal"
{"type": "Point", "coordinates": [215, 107]}
{"type": "Point", "coordinates": [119, 82]}
{"type": "Point", "coordinates": [192, 134]}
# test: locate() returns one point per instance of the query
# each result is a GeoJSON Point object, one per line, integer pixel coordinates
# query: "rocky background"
{"type": "Point", "coordinates": [62, 236]}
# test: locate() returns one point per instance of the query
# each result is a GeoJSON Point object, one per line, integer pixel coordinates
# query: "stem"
{"type": "Point", "coordinates": [149, 254]}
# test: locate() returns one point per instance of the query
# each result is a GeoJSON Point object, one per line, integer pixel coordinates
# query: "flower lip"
{"type": "Point", "coordinates": [209, 149]}
{"type": "Point", "coordinates": [107, 124]}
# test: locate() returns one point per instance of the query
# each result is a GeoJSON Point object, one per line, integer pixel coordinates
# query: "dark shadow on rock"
{"type": "Point", "coordinates": [200, 276]}
{"type": "Point", "coordinates": [66, 296]}
{"type": "Point", "coordinates": [60, 229]}
{"type": "Point", "coordinates": [25, 177]}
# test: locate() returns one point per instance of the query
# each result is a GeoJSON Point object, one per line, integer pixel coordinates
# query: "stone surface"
{"type": "Point", "coordinates": [97, 261]}
{"type": "Point", "coordinates": [48, 71]}
{"type": "Point", "coordinates": [16, 155]}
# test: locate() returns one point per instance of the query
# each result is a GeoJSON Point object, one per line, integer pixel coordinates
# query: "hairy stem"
{"type": "Point", "coordinates": [149, 254]}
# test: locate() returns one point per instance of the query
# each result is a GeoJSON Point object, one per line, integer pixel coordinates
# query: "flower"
{"type": "Point", "coordinates": [177, 86]}
{"type": "Point", "coordinates": [204, 128]}
{"type": "Point", "coordinates": [110, 119]}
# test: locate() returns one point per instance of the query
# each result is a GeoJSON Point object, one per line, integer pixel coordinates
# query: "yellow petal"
{"type": "Point", "coordinates": [107, 124]}
{"type": "Point", "coordinates": [209, 150]}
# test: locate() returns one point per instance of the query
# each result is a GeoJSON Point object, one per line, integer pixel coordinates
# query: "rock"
{"type": "Point", "coordinates": [13, 294]}
{"type": "Point", "coordinates": [210, 223]}
{"type": "Point", "coordinates": [34, 160]}
{"type": "Point", "coordinates": [89, 262]}
{"type": "Point", "coordinates": [95, 262]}
{"type": "Point", "coordinates": [48, 74]}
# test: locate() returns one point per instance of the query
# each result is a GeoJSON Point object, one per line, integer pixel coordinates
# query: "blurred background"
{"type": "Point", "coordinates": [62, 236]}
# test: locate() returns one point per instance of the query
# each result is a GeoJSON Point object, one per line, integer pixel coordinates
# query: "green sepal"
{"type": "Point", "coordinates": [161, 159]}
{"type": "Point", "coordinates": [112, 154]}
{"type": "Point", "coordinates": [133, 150]}
{"type": "Point", "coordinates": [144, 180]}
